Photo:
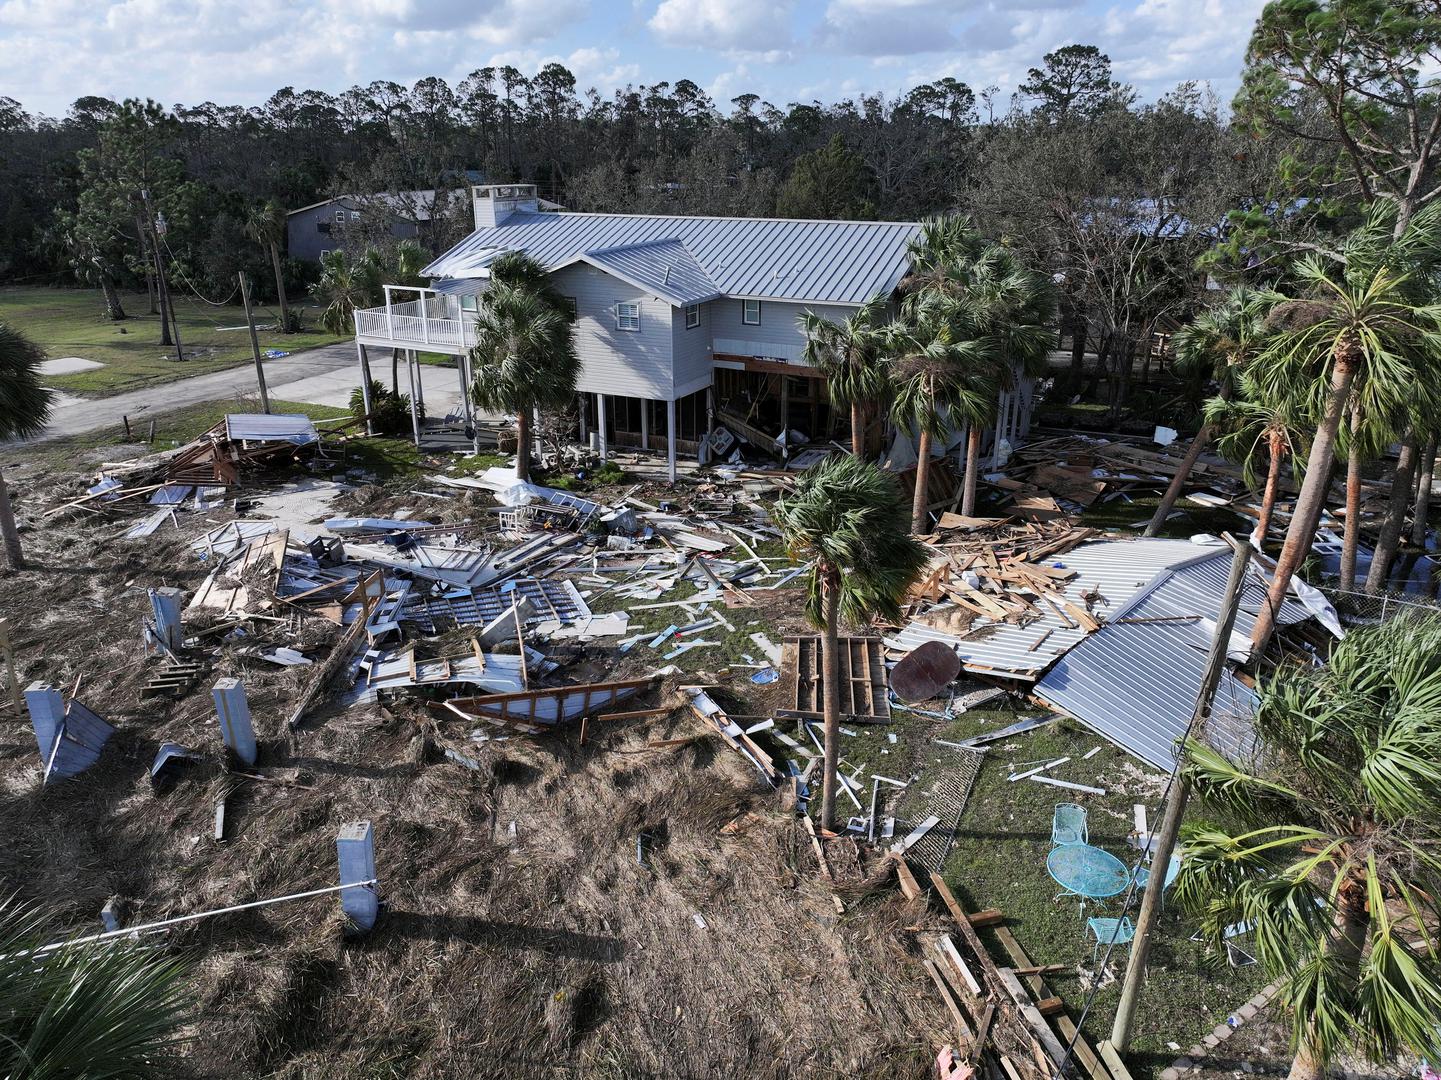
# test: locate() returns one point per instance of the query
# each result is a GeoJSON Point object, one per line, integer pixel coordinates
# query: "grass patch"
{"type": "Point", "coordinates": [999, 860]}
{"type": "Point", "coordinates": [71, 322]}
{"type": "Point", "coordinates": [1122, 516]}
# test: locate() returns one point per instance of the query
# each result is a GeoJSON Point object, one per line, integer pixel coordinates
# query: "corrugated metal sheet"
{"type": "Point", "coordinates": [82, 737]}
{"type": "Point", "coordinates": [1136, 683]}
{"type": "Point", "coordinates": [662, 267]}
{"type": "Point", "coordinates": [275, 427]}
{"type": "Point", "coordinates": [1116, 569]}
{"type": "Point", "coordinates": [844, 262]}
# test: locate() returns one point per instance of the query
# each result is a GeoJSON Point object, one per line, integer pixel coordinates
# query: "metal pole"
{"type": "Point", "coordinates": [414, 416]}
{"type": "Point", "coordinates": [1176, 803]}
{"type": "Point", "coordinates": [254, 345]}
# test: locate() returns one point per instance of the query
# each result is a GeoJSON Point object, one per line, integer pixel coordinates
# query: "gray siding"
{"type": "Point", "coordinates": [692, 350]}
{"type": "Point", "coordinates": [778, 334]}
{"type": "Point", "coordinates": [309, 232]}
{"type": "Point", "coordinates": [626, 362]}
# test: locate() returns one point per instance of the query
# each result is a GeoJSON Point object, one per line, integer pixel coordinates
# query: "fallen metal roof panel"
{"type": "Point", "coordinates": [843, 262]}
{"type": "Point", "coordinates": [274, 427]}
{"type": "Point", "coordinates": [1117, 569]}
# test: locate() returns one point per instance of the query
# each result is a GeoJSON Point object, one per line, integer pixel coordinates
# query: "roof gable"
{"type": "Point", "coordinates": [661, 267]}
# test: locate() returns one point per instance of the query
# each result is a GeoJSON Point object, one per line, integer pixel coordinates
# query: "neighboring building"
{"type": "Point", "coordinates": [313, 230]}
{"type": "Point", "coordinates": [682, 322]}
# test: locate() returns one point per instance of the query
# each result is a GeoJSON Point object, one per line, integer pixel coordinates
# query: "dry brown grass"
{"type": "Point", "coordinates": [554, 955]}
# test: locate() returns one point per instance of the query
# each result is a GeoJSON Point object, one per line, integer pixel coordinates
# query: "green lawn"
{"type": "Point", "coordinates": [70, 322]}
{"type": "Point", "coordinates": [999, 861]}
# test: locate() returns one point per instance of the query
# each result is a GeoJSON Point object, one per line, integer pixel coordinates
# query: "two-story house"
{"type": "Point", "coordinates": [681, 322]}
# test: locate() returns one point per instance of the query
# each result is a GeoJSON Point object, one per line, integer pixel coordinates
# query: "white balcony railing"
{"type": "Point", "coordinates": [434, 320]}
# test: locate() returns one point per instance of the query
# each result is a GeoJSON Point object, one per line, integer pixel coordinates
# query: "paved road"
{"type": "Point", "coordinates": [75, 415]}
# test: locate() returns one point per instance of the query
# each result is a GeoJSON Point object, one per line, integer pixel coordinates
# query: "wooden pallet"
{"type": "Point", "coordinates": [865, 685]}
{"type": "Point", "coordinates": [176, 679]}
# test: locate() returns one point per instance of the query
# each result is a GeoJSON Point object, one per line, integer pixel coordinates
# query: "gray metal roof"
{"type": "Point", "coordinates": [662, 267]}
{"type": "Point", "coordinates": [1136, 683]}
{"type": "Point", "coordinates": [843, 262]}
{"type": "Point", "coordinates": [274, 427]}
{"type": "Point", "coordinates": [1117, 569]}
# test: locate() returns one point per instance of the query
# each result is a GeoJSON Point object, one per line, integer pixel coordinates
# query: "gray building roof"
{"type": "Point", "coordinates": [838, 262]}
{"type": "Point", "coordinates": [1136, 682]}
{"type": "Point", "coordinates": [662, 267]}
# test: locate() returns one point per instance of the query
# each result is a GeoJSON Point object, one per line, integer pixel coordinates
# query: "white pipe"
{"type": "Point", "coordinates": [147, 927]}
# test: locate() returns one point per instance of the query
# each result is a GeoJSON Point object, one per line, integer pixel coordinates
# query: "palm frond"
{"type": "Point", "coordinates": [24, 399]}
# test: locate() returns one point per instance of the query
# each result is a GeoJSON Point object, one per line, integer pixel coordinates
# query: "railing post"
{"type": "Point", "coordinates": [424, 318]}
{"type": "Point", "coordinates": [389, 322]}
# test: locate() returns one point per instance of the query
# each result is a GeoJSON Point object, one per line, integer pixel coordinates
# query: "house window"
{"type": "Point", "coordinates": [570, 304]}
{"type": "Point", "coordinates": [340, 217]}
{"type": "Point", "coordinates": [324, 252]}
{"type": "Point", "coordinates": [355, 215]}
{"type": "Point", "coordinates": [751, 312]}
{"type": "Point", "coordinates": [469, 303]}
{"type": "Point", "coordinates": [692, 316]}
{"type": "Point", "coordinates": [627, 316]}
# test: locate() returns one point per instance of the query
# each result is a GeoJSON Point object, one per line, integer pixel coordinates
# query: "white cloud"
{"type": "Point", "coordinates": [749, 26]}
{"type": "Point", "coordinates": [889, 27]}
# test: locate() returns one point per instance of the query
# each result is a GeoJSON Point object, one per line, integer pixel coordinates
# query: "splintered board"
{"type": "Point", "coordinates": [864, 684]}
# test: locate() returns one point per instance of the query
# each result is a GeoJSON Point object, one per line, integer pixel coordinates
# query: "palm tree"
{"type": "Point", "coordinates": [1259, 422]}
{"type": "Point", "coordinates": [265, 224]}
{"type": "Point", "coordinates": [1011, 308]}
{"type": "Point", "coordinates": [24, 409]}
{"type": "Point", "coordinates": [847, 354]}
{"type": "Point", "coordinates": [1367, 329]}
{"type": "Point", "coordinates": [346, 284]}
{"type": "Point", "coordinates": [1331, 849]}
{"type": "Point", "coordinates": [941, 372]}
{"type": "Point", "coordinates": [938, 252]}
{"type": "Point", "coordinates": [525, 359]}
{"type": "Point", "coordinates": [102, 1009]}
{"type": "Point", "coordinates": [1216, 345]}
{"type": "Point", "coordinates": [845, 520]}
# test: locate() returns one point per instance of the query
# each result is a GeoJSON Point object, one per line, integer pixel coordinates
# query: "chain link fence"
{"type": "Point", "coordinates": [1371, 609]}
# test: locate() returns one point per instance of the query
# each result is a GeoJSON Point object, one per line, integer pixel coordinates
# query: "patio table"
{"type": "Point", "coordinates": [1087, 872]}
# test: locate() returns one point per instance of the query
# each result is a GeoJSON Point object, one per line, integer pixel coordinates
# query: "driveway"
{"type": "Point", "coordinates": [323, 376]}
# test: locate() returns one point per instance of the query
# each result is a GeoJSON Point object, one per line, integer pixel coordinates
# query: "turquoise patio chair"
{"type": "Point", "coordinates": [1108, 931]}
{"type": "Point", "coordinates": [1142, 874]}
{"type": "Point", "coordinates": [1068, 824]}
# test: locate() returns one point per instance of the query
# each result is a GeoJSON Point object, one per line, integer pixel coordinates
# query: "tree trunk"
{"type": "Point", "coordinates": [1422, 510]}
{"type": "Point", "coordinates": [1078, 347]}
{"type": "Point", "coordinates": [858, 431]}
{"type": "Point", "coordinates": [923, 480]}
{"type": "Point", "coordinates": [1309, 502]}
{"type": "Point", "coordinates": [522, 444]}
{"type": "Point", "coordinates": [1183, 472]}
{"type": "Point", "coordinates": [113, 309]}
{"type": "Point", "coordinates": [395, 372]}
{"type": "Point", "coordinates": [1351, 527]}
{"type": "Point", "coordinates": [831, 692]}
{"type": "Point", "coordinates": [973, 461]}
{"type": "Point", "coordinates": [1346, 944]}
{"type": "Point", "coordinates": [1395, 521]}
{"type": "Point", "coordinates": [11, 534]}
{"type": "Point", "coordinates": [280, 287]}
{"type": "Point", "coordinates": [1273, 485]}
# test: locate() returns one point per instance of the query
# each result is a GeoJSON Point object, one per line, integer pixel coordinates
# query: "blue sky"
{"type": "Point", "coordinates": [785, 50]}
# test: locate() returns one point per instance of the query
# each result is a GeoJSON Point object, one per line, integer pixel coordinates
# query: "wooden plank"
{"type": "Point", "coordinates": [983, 1030]}
{"type": "Point", "coordinates": [1113, 1061]}
{"type": "Point", "coordinates": [1033, 1018]}
{"type": "Point", "coordinates": [963, 1029]}
{"type": "Point", "coordinates": [910, 888]}
{"type": "Point", "coordinates": [1080, 1048]}
{"type": "Point", "coordinates": [948, 950]}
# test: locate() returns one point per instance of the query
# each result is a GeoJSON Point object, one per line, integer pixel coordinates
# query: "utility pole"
{"type": "Point", "coordinates": [1176, 802]}
{"type": "Point", "coordinates": [157, 230]}
{"type": "Point", "coordinates": [254, 344]}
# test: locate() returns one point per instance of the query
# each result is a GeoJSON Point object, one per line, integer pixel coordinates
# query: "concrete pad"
{"type": "Point", "coordinates": [440, 388]}
{"type": "Point", "coordinates": [68, 365]}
